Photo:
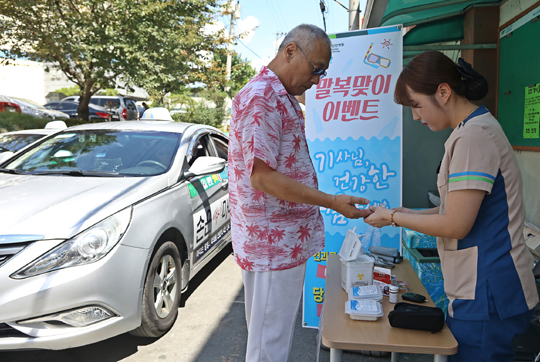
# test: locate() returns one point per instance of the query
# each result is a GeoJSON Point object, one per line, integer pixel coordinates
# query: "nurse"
{"type": "Point", "coordinates": [486, 265]}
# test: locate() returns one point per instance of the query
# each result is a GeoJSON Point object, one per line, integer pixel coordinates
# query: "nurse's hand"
{"type": "Point", "coordinates": [380, 216]}
{"type": "Point", "coordinates": [404, 210]}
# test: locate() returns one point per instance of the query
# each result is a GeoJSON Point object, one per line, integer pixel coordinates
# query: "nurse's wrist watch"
{"type": "Point", "coordinates": [392, 222]}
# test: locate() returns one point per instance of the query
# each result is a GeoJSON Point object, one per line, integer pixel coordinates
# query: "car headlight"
{"type": "Point", "coordinates": [87, 247]}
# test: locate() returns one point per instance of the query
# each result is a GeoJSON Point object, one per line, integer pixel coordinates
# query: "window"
{"type": "Point", "coordinates": [130, 105]}
{"type": "Point", "coordinates": [68, 106]}
{"type": "Point", "coordinates": [200, 149]}
{"type": "Point", "coordinates": [221, 146]}
{"type": "Point", "coordinates": [53, 105]}
{"type": "Point", "coordinates": [15, 142]}
{"type": "Point", "coordinates": [109, 103]}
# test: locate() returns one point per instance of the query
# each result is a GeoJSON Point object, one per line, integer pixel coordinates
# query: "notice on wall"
{"type": "Point", "coordinates": [531, 121]}
{"type": "Point", "coordinates": [354, 133]}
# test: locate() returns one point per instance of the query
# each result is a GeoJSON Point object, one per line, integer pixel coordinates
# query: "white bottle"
{"type": "Point", "coordinates": [393, 293]}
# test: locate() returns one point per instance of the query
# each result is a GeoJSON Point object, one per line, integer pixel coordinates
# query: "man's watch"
{"type": "Point", "coordinates": [392, 222]}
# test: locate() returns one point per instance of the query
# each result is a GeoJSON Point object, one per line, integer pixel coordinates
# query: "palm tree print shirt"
{"type": "Point", "coordinates": [269, 233]}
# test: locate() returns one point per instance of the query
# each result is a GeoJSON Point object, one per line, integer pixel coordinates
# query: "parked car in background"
{"type": "Point", "coordinates": [35, 109]}
{"type": "Point", "coordinates": [122, 108]}
{"type": "Point", "coordinates": [16, 140]}
{"type": "Point", "coordinates": [103, 225]}
{"type": "Point", "coordinates": [97, 113]}
{"type": "Point", "coordinates": [8, 106]}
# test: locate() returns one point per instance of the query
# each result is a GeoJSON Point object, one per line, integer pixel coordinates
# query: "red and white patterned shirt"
{"type": "Point", "coordinates": [269, 233]}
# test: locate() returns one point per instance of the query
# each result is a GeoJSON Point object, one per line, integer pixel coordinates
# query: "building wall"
{"type": "Point", "coordinates": [55, 79]}
{"type": "Point", "coordinates": [512, 8]}
{"type": "Point", "coordinates": [529, 162]}
{"type": "Point", "coordinates": [24, 79]}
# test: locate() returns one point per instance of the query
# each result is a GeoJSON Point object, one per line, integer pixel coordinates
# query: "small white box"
{"type": "Point", "coordinates": [357, 272]}
{"type": "Point", "coordinates": [367, 292]}
{"type": "Point", "coordinates": [364, 310]}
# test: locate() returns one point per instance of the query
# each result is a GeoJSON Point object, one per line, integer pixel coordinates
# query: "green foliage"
{"type": "Point", "coordinates": [182, 98]}
{"type": "Point", "coordinates": [72, 91]}
{"type": "Point", "coordinates": [157, 45]}
{"type": "Point", "coordinates": [108, 92]}
{"type": "Point", "coordinates": [216, 91]}
{"type": "Point", "coordinates": [75, 91]}
{"type": "Point", "coordinates": [241, 73]}
{"type": "Point", "coordinates": [201, 114]}
{"type": "Point", "coordinates": [10, 121]}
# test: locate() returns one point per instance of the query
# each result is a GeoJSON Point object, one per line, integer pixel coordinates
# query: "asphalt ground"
{"type": "Point", "coordinates": [211, 327]}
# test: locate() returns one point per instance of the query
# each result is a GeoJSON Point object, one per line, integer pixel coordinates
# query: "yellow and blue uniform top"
{"type": "Point", "coordinates": [491, 266]}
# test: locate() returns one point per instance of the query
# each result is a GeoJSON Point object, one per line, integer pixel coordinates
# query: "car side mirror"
{"type": "Point", "coordinates": [5, 155]}
{"type": "Point", "coordinates": [205, 165]}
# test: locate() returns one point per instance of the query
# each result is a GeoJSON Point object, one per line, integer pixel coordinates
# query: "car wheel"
{"type": "Point", "coordinates": [162, 291]}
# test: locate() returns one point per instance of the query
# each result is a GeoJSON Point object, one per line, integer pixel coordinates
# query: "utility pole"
{"type": "Point", "coordinates": [235, 14]}
{"type": "Point", "coordinates": [322, 5]}
{"type": "Point", "coordinates": [354, 14]}
{"type": "Point", "coordinates": [277, 39]}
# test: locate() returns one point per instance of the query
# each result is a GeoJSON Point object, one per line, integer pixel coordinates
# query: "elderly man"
{"type": "Point", "coordinates": [274, 200]}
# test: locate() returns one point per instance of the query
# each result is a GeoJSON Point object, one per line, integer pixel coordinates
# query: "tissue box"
{"type": "Point", "coordinates": [357, 272]}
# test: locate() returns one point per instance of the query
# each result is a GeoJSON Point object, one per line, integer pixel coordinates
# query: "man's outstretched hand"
{"type": "Point", "coordinates": [346, 206]}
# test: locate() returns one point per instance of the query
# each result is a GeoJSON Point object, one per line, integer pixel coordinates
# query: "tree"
{"type": "Point", "coordinates": [155, 44]}
{"type": "Point", "coordinates": [217, 86]}
{"type": "Point", "coordinates": [71, 91]}
{"type": "Point", "coordinates": [217, 89]}
{"type": "Point", "coordinates": [201, 114]}
{"type": "Point", "coordinates": [74, 91]}
{"type": "Point", "coordinates": [180, 98]}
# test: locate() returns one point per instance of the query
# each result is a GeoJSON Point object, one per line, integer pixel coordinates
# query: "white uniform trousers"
{"type": "Point", "coordinates": [272, 300]}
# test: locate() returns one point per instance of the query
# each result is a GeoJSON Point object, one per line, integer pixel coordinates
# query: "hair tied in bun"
{"type": "Point", "coordinates": [466, 70]}
{"type": "Point", "coordinates": [476, 86]}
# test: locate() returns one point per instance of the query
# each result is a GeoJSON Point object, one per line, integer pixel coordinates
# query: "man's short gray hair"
{"type": "Point", "coordinates": [305, 35]}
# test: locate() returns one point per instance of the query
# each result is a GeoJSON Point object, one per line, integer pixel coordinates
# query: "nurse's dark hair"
{"type": "Point", "coordinates": [426, 71]}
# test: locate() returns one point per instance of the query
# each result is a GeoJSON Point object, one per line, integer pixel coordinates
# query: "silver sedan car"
{"type": "Point", "coordinates": [103, 225]}
{"type": "Point", "coordinates": [17, 140]}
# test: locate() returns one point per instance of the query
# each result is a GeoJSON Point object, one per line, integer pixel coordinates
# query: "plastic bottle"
{"type": "Point", "coordinates": [368, 235]}
{"type": "Point", "coordinates": [376, 241]}
{"type": "Point", "coordinates": [393, 293]}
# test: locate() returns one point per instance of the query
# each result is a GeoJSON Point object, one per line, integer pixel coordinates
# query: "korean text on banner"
{"type": "Point", "coordinates": [354, 132]}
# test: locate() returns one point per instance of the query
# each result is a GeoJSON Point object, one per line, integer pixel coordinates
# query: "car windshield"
{"type": "Point", "coordinates": [100, 153]}
{"type": "Point", "coordinates": [14, 142]}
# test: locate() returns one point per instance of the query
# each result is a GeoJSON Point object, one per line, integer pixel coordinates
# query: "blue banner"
{"type": "Point", "coordinates": [354, 132]}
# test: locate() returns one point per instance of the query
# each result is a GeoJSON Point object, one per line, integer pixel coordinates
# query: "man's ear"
{"type": "Point", "coordinates": [289, 52]}
{"type": "Point", "coordinates": [444, 91]}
